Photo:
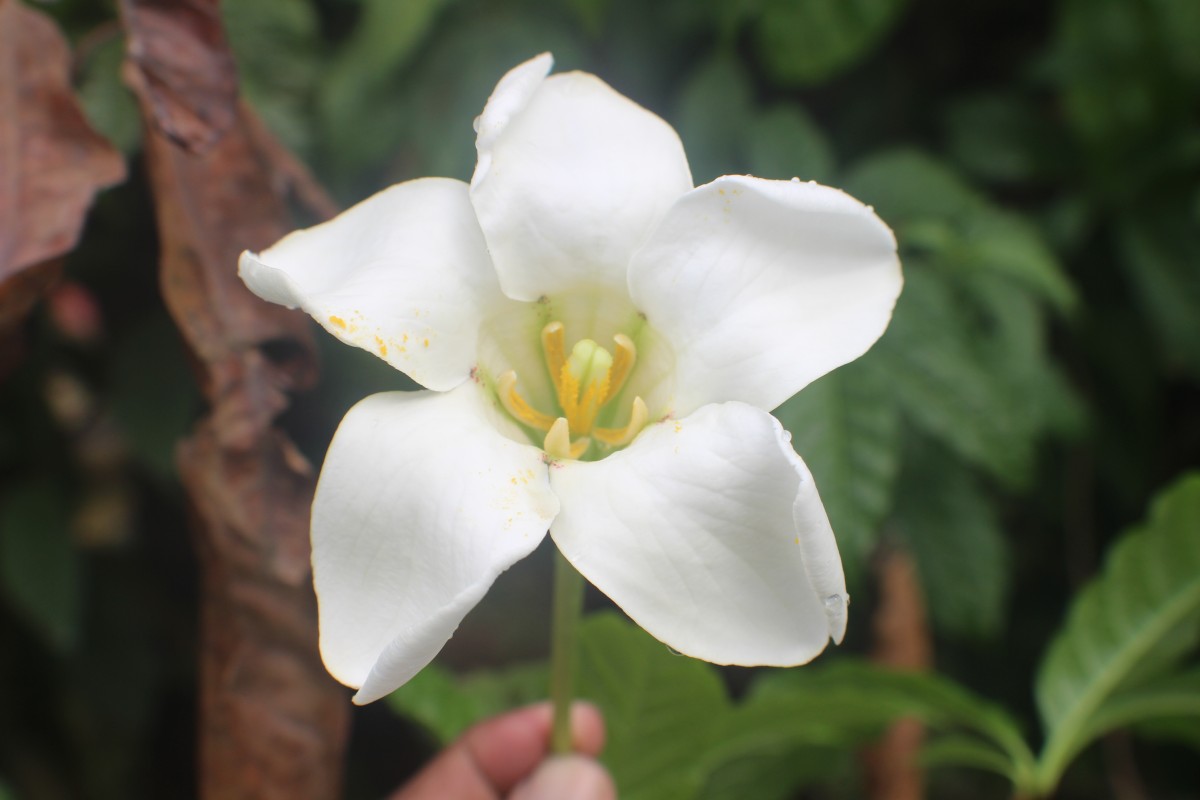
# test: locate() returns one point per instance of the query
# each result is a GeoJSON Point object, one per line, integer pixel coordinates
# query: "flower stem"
{"type": "Point", "coordinates": [568, 609]}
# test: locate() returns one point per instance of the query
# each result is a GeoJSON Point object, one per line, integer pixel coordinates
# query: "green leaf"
{"type": "Point", "coordinates": [714, 107]}
{"type": "Point", "coordinates": [939, 217]}
{"type": "Point", "coordinates": [951, 529]}
{"type": "Point", "coordinates": [958, 750]}
{"type": "Point", "coordinates": [358, 111]}
{"type": "Point", "coordinates": [110, 107]}
{"type": "Point", "coordinates": [150, 362]}
{"type": "Point", "coordinates": [848, 703]}
{"type": "Point", "coordinates": [999, 137]}
{"type": "Point", "coordinates": [447, 705]}
{"type": "Point", "coordinates": [1123, 629]}
{"type": "Point", "coordinates": [277, 48]}
{"type": "Point", "coordinates": [662, 710]}
{"type": "Point", "coordinates": [944, 377]}
{"type": "Point", "coordinates": [803, 42]}
{"type": "Point", "coordinates": [1121, 66]}
{"type": "Point", "coordinates": [784, 142]}
{"type": "Point", "coordinates": [1161, 254]}
{"type": "Point", "coordinates": [846, 428]}
{"type": "Point", "coordinates": [774, 772]}
{"type": "Point", "coordinates": [1167, 698]}
{"type": "Point", "coordinates": [39, 566]}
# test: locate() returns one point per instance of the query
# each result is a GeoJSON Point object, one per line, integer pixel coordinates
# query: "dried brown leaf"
{"type": "Point", "coordinates": [51, 162]}
{"type": "Point", "coordinates": [188, 73]}
{"type": "Point", "coordinates": [273, 723]}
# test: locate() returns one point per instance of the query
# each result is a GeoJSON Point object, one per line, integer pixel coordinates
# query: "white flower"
{"type": "Point", "coordinates": [601, 344]}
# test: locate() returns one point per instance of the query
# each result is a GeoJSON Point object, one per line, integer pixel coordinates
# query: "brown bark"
{"type": "Point", "coordinates": [272, 723]}
{"type": "Point", "coordinates": [51, 165]}
{"type": "Point", "coordinates": [902, 641]}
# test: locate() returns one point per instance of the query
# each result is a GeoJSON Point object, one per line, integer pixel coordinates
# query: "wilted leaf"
{"type": "Point", "coordinates": [51, 162]}
{"type": "Point", "coordinates": [1125, 629]}
{"type": "Point", "coordinates": [185, 69]}
{"type": "Point", "coordinates": [272, 722]}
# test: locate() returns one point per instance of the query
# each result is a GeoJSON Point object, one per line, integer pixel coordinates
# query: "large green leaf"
{"type": "Point", "coordinates": [359, 113]}
{"type": "Point", "coordinates": [943, 373]}
{"type": "Point", "coordinates": [846, 428]}
{"type": "Point", "coordinates": [39, 566]}
{"type": "Point", "coordinates": [806, 41]}
{"type": "Point", "coordinates": [1129, 70]}
{"type": "Point", "coordinates": [775, 772]}
{"type": "Point", "coordinates": [1161, 257]}
{"type": "Point", "coordinates": [663, 711]}
{"type": "Point", "coordinates": [951, 529]}
{"type": "Point", "coordinates": [938, 216]}
{"type": "Point", "coordinates": [713, 108]}
{"type": "Point", "coordinates": [784, 142]}
{"type": "Point", "coordinates": [848, 703]}
{"type": "Point", "coordinates": [277, 46]}
{"type": "Point", "coordinates": [447, 705]}
{"type": "Point", "coordinates": [1124, 631]}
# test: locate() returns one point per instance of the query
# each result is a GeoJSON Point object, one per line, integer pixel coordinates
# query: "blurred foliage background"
{"type": "Point", "coordinates": [1038, 387]}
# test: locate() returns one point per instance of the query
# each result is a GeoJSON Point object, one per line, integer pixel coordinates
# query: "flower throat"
{"type": "Point", "coordinates": [584, 383]}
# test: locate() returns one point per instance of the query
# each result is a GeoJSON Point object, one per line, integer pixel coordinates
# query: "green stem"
{"type": "Point", "coordinates": [568, 609]}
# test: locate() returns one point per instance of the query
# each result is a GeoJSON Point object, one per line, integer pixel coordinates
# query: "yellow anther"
{"type": "Point", "coordinates": [623, 360]}
{"type": "Point", "coordinates": [583, 384]}
{"type": "Point", "coordinates": [584, 381]}
{"type": "Point", "coordinates": [554, 348]}
{"type": "Point", "coordinates": [558, 442]}
{"type": "Point", "coordinates": [619, 437]}
{"type": "Point", "coordinates": [506, 387]}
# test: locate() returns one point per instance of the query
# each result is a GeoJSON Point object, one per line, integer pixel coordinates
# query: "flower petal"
{"type": "Point", "coordinates": [404, 274]}
{"type": "Point", "coordinates": [763, 286]}
{"type": "Point", "coordinates": [421, 504]}
{"type": "Point", "coordinates": [572, 177]}
{"type": "Point", "coordinates": [709, 533]}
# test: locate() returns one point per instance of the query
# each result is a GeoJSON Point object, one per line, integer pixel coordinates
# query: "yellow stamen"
{"type": "Point", "coordinates": [584, 381]}
{"type": "Point", "coordinates": [555, 349]}
{"type": "Point", "coordinates": [589, 405]}
{"type": "Point", "coordinates": [568, 392]}
{"type": "Point", "coordinates": [619, 437]}
{"type": "Point", "coordinates": [580, 447]}
{"type": "Point", "coordinates": [623, 360]}
{"type": "Point", "coordinates": [557, 443]}
{"type": "Point", "coordinates": [506, 387]}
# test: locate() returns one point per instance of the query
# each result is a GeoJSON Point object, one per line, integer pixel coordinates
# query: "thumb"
{"type": "Point", "coordinates": [567, 778]}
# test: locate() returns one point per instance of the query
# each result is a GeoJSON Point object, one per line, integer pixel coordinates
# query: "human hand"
{"type": "Point", "coordinates": [506, 757]}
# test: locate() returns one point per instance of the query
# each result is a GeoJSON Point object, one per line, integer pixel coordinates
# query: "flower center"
{"type": "Point", "coordinates": [584, 382]}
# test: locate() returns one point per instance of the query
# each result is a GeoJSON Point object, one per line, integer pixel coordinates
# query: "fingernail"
{"type": "Point", "coordinates": [567, 778]}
